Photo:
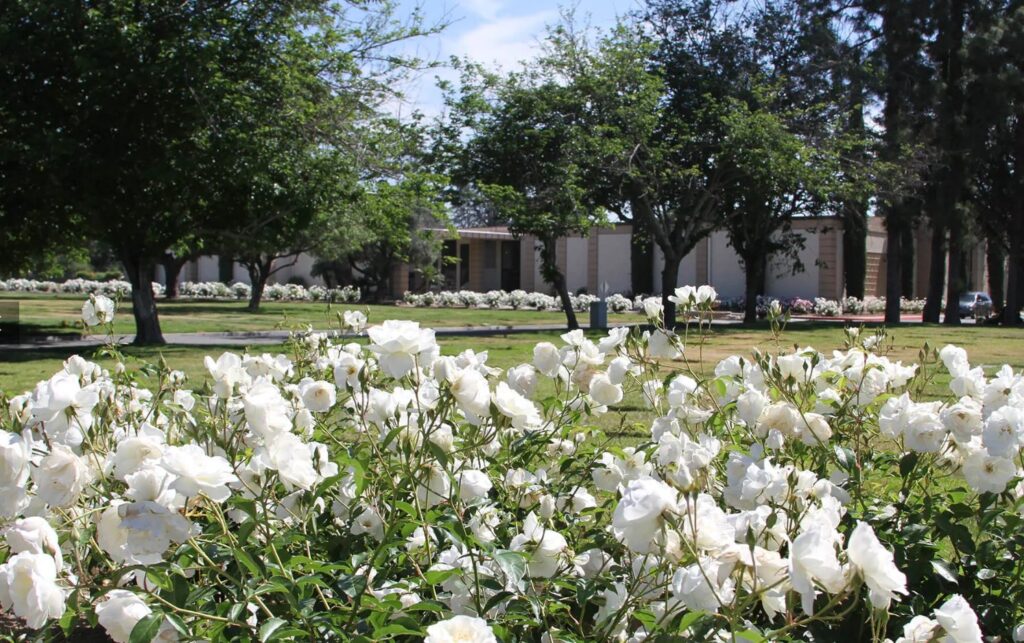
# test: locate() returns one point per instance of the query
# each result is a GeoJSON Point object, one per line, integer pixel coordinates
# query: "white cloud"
{"type": "Point", "coordinates": [504, 42]}
{"type": "Point", "coordinates": [486, 9]}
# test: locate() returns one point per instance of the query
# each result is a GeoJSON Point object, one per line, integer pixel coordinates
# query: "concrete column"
{"type": "Point", "coordinates": [561, 257]}
{"type": "Point", "coordinates": [828, 264]}
{"type": "Point", "coordinates": [703, 251]}
{"type": "Point", "coordinates": [593, 250]}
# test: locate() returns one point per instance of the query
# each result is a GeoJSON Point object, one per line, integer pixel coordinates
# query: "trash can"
{"type": "Point", "coordinates": [599, 314]}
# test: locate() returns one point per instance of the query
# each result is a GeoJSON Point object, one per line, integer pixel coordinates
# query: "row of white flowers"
{"type": "Point", "coordinates": [617, 303]}
{"type": "Point", "coordinates": [187, 289]}
{"type": "Point", "coordinates": [384, 490]}
{"type": "Point", "coordinates": [515, 300]}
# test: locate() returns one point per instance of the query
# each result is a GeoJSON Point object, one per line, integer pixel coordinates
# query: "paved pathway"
{"type": "Point", "coordinates": [266, 337]}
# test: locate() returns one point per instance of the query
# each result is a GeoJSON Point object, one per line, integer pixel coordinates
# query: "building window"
{"type": "Point", "coordinates": [464, 265]}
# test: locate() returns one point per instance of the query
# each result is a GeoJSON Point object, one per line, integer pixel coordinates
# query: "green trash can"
{"type": "Point", "coordinates": [599, 314]}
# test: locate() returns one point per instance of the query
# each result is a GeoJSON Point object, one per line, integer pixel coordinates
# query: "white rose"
{"type": "Point", "coordinates": [547, 359]}
{"type": "Point", "coordinates": [292, 459]}
{"type": "Point", "coordinates": [603, 391]}
{"type": "Point", "coordinates": [399, 344]}
{"type": "Point", "coordinates": [661, 344]}
{"type": "Point", "coordinates": [354, 320]}
{"type": "Point", "coordinates": [620, 368]}
{"type": "Point", "coordinates": [369, 522]}
{"type": "Point", "coordinates": [685, 297]}
{"type": "Point", "coordinates": [813, 559]}
{"type": "Point", "coordinates": [875, 565]}
{"type": "Point", "coordinates": [523, 412]}
{"type": "Point", "coordinates": [346, 372]}
{"type": "Point", "coordinates": [988, 473]}
{"type": "Point", "coordinates": [14, 459]}
{"type": "Point", "coordinates": [266, 410]}
{"type": "Point", "coordinates": [523, 379]}
{"type": "Point", "coordinates": [99, 309]}
{"type": "Point", "coordinates": [544, 545]}
{"type": "Point", "coordinates": [471, 391]}
{"type": "Point", "coordinates": [653, 307]}
{"type": "Point", "coordinates": [34, 535]}
{"type": "Point", "coordinates": [119, 612]}
{"type": "Point", "coordinates": [319, 396]}
{"type": "Point", "coordinates": [638, 516]}
{"type": "Point", "coordinates": [474, 484]}
{"type": "Point", "coordinates": [958, 621]}
{"type": "Point", "coordinates": [199, 473]}
{"type": "Point", "coordinates": [700, 586]}
{"type": "Point", "coordinates": [149, 528]}
{"type": "Point", "coordinates": [460, 629]}
{"type": "Point", "coordinates": [133, 452]}
{"type": "Point", "coordinates": [28, 587]}
{"type": "Point", "coordinates": [61, 476]}
{"type": "Point", "coordinates": [706, 295]}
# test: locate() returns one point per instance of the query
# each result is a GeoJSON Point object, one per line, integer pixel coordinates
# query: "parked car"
{"type": "Point", "coordinates": [975, 304]}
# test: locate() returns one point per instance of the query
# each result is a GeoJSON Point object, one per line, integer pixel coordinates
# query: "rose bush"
{"type": "Point", "coordinates": [187, 289]}
{"type": "Point", "coordinates": [386, 490]}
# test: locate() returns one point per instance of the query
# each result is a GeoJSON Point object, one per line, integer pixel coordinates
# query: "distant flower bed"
{"type": "Point", "coordinates": [522, 300]}
{"type": "Point", "coordinates": [187, 289]}
{"type": "Point", "coordinates": [514, 300]}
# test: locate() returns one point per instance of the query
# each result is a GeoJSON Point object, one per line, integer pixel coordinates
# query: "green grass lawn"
{"type": "Point", "coordinates": [987, 346]}
{"type": "Point", "coordinates": [59, 315]}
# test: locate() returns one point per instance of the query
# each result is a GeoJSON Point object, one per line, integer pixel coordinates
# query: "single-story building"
{"type": "Point", "coordinates": [492, 258]}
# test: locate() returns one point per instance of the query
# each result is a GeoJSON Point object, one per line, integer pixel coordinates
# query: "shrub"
{"type": "Point", "coordinates": [382, 490]}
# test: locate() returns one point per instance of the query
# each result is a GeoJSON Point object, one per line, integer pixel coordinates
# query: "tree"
{"type": "Point", "coordinates": [996, 90]}
{"type": "Point", "coordinates": [778, 177]}
{"type": "Point", "coordinates": [763, 76]}
{"type": "Point", "coordinates": [394, 220]}
{"type": "Point", "coordinates": [644, 159]}
{"type": "Point", "coordinates": [126, 97]}
{"type": "Point", "coordinates": [395, 216]}
{"type": "Point", "coordinates": [524, 156]}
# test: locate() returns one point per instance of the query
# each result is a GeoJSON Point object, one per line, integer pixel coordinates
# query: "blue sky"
{"type": "Point", "coordinates": [498, 33]}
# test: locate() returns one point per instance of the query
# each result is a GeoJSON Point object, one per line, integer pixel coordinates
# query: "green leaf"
{"type": "Point", "coordinates": [67, 620]}
{"type": "Point", "coordinates": [513, 563]}
{"type": "Point", "coordinates": [248, 562]}
{"type": "Point", "coordinates": [267, 629]}
{"type": "Point", "coordinates": [395, 629]}
{"type": "Point", "coordinates": [177, 623]}
{"type": "Point", "coordinates": [942, 570]}
{"type": "Point", "coordinates": [907, 464]}
{"type": "Point", "coordinates": [147, 628]}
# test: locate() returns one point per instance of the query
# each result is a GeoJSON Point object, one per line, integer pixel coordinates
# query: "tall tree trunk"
{"type": "Point", "coordinates": [899, 48]}
{"type": "Point", "coordinates": [995, 260]}
{"type": "Point", "coordinates": [951, 121]}
{"type": "Point", "coordinates": [855, 210]}
{"type": "Point", "coordinates": [908, 253]}
{"type": "Point", "coordinates": [755, 276]}
{"type": "Point", "coordinates": [893, 266]}
{"type": "Point", "coordinates": [955, 272]}
{"type": "Point", "coordinates": [259, 273]}
{"type": "Point", "coordinates": [1014, 286]}
{"type": "Point", "coordinates": [855, 239]}
{"type": "Point", "coordinates": [669, 283]}
{"type": "Point", "coordinates": [641, 256]}
{"type": "Point", "coordinates": [147, 324]}
{"type": "Point", "coordinates": [172, 268]}
{"type": "Point", "coordinates": [551, 274]}
{"type": "Point", "coordinates": [936, 275]}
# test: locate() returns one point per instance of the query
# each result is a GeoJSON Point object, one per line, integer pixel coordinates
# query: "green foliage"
{"type": "Point", "coordinates": [152, 124]}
